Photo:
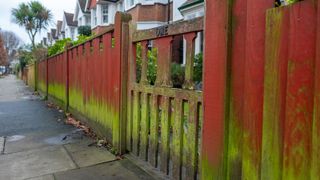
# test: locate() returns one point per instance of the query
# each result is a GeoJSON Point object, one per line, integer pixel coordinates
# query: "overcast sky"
{"type": "Point", "coordinates": [57, 8]}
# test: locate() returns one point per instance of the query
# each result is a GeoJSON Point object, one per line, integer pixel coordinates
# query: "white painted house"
{"type": "Point", "coordinates": [82, 14]}
{"type": "Point", "coordinates": [190, 9]}
{"type": "Point", "coordinates": [69, 27]}
{"type": "Point", "coordinates": [103, 12]}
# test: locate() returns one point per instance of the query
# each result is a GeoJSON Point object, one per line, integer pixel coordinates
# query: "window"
{"type": "Point", "coordinates": [105, 12]}
{"type": "Point", "coordinates": [88, 19]}
{"type": "Point", "coordinates": [72, 33]}
{"type": "Point", "coordinates": [130, 3]}
{"type": "Point", "coordinates": [94, 16]}
{"type": "Point", "coordinates": [80, 21]}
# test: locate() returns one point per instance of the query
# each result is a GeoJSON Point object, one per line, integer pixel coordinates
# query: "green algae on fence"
{"type": "Point", "coordinates": [42, 86]}
{"type": "Point", "coordinates": [94, 108]}
{"type": "Point", "coordinates": [274, 98]}
{"type": "Point", "coordinates": [57, 91]}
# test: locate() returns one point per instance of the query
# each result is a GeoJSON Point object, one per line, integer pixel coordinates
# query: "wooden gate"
{"type": "Point", "coordinates": [164, 123]}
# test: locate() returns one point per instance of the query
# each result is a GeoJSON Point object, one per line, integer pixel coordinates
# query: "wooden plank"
{"type": "Point", "coordinates": [165, 135]}
{"type": "Point", "coordinates": [274, 92]}
{"type": "Point", "coordinates": [238, 57]}
{"type": "Point", "coordinates": [315, 165]}
{"type": "Point", "coordinates": [136, 123]}
{"type": "Point", "coordinates": [215, 78]}
{"type": "Point", "coordinates": [193, 25]}
{"type": "Point", "coordinates": [144, 63]}
{"type": "Point", "coordinates": [145, 126]}
{"type": "Point", "coordinates": [129, 121]}
{"type": "Point", "coordinates": [170, 92]}
{"type": "Point", "coordinates": [154, 131]}
{"type": "Point", "coordinates": [191, 140]}
{"type": "Point", "coordinates": [177, 139]}
{"type": "Point", "coordinates": [164, 60]}
{"type": "Point", "coordinates": [300, 92]}
{"type": "Point", "coordinates": [190, 48]}
{"type": "Point", "coordinates": [253, 88]}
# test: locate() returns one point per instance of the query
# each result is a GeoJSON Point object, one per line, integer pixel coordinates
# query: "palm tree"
{"type": "Point", "coordinates": [33, 16]}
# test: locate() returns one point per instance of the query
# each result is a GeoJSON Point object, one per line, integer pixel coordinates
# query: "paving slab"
{"type": "Point", "coordinates": [35, 163]}
{"type": "Point", "coordinates": [18, 143]}
{"type": "Point", "coordinates": [45, 177]}
{"type": "Point", "coordinates": [117, 170]}
{"type": "Point", "coordinates": [84, 155]}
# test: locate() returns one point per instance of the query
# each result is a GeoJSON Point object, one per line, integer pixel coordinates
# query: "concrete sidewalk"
{"type": "Point", "coordinates": [35, 143]}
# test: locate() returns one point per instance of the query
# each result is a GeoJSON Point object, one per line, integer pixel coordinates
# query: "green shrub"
{"type": "Point", "coordinates": [84, 30]}
{"type": "Point", "coordinates": [152, 66]}
{"type": "Point", "coordinates": [177, 75]}
{"type": "Point", "coordinates": [198, 68]}
{"type": "Point", "coordinates": [81, 39]}
{"type": "Point", "coordinates": [138, 62]}
{"type": "Point", "coordinates": [58, 47]}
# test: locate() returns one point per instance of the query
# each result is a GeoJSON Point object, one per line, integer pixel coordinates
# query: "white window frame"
{"type": "Point", "coordinates": [131, 3]}
{"type": "Point", "coordinates": [105, 13]}
{"type": "Point", "coordinates": [94, 16]}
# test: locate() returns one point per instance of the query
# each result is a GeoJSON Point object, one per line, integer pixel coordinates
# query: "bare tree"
{"type": "Point", "coordinates": [11, 44]}
{"type": "Point", "coordinates": [3, 54]}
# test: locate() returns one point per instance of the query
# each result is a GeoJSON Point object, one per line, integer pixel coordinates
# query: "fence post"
{"type": "Point", "coordinates": [121, 35]}
{"type": "Point", "coordinates": [66, 56]}
{"type": "Point", "coordinates": [47, 78]}
{"type": "Point", "coordinates": [35, 76]}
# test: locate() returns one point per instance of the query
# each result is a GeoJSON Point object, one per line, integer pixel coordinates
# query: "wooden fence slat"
{"type": "Point", "coordinates": [315, 165]}
{"type": "Point", "coordinates": [253, 87]}
{"type": "Point", "coordinates": [177, 138]}
{"type": "Point", "coordinates": [165, 135]}
{"type": "Point", "coordinates": [129, 121]}
{"type": "Point", "coordinates": [300, 92]}
{"type": "Point", "coordinates": [145, 125]}
{"type": "Point", "coordinates": [164, 61]}
{"type": "Point", "coordinates": [144, 62]}
{"type": "Point", "coordinates": [136, 123]}
{"type": "Point", "coordinates": [276, 62]}
{"type": "Point", "coordinates": [190, 48]}
{"type": "Point", "coordinates": [191, 140]}
{"type": "Point", "coordinates": [154, 131]}
{"type": "Point", "coordinates": [237, 69]}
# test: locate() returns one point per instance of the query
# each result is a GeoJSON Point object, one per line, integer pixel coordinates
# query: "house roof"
{"type": "Point", "coordinates": [93, 3]}
{"type": "Point", "coordinates": [82, 4]}
{"type": "Point", "coordinates": [69, 19]}
{"type": "Point", "coordinates": [190, 3]}
{"type": "Point", "coordinates": [114, 1]}
{"type": "Point", "coordinates": [59, 26]}
{"type": "Point", "coordinates": [53, 33]}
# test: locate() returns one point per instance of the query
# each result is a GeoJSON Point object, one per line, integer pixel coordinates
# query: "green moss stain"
{"type": "Point", "coordinates": [57, 91]}
{"type": "Point", "coordinates": [42, 86]}
{"type": "Point", "coordinates": [271, 139]}
{"type": "Point", "coordinates": [210, 171]}
{"type": "Point", "coordinates": [234, 154]}
{"type": "Point", "coordinates": [250, 167]}
{"type": "Point", "coordinates": [96, 110]}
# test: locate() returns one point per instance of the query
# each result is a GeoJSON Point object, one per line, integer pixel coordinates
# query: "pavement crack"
{"type": "Point", "coordinates": [69, 154]}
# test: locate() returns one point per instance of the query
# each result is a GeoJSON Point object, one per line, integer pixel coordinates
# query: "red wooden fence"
{"type": "Point", "coordinates": [261, 93]}
{"type": "Point", "coordinates": [88, 81]}
{"type": "Point", "coordinates": [42, 76]}
{"type": "Point", "coordinates": [261, 113]}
